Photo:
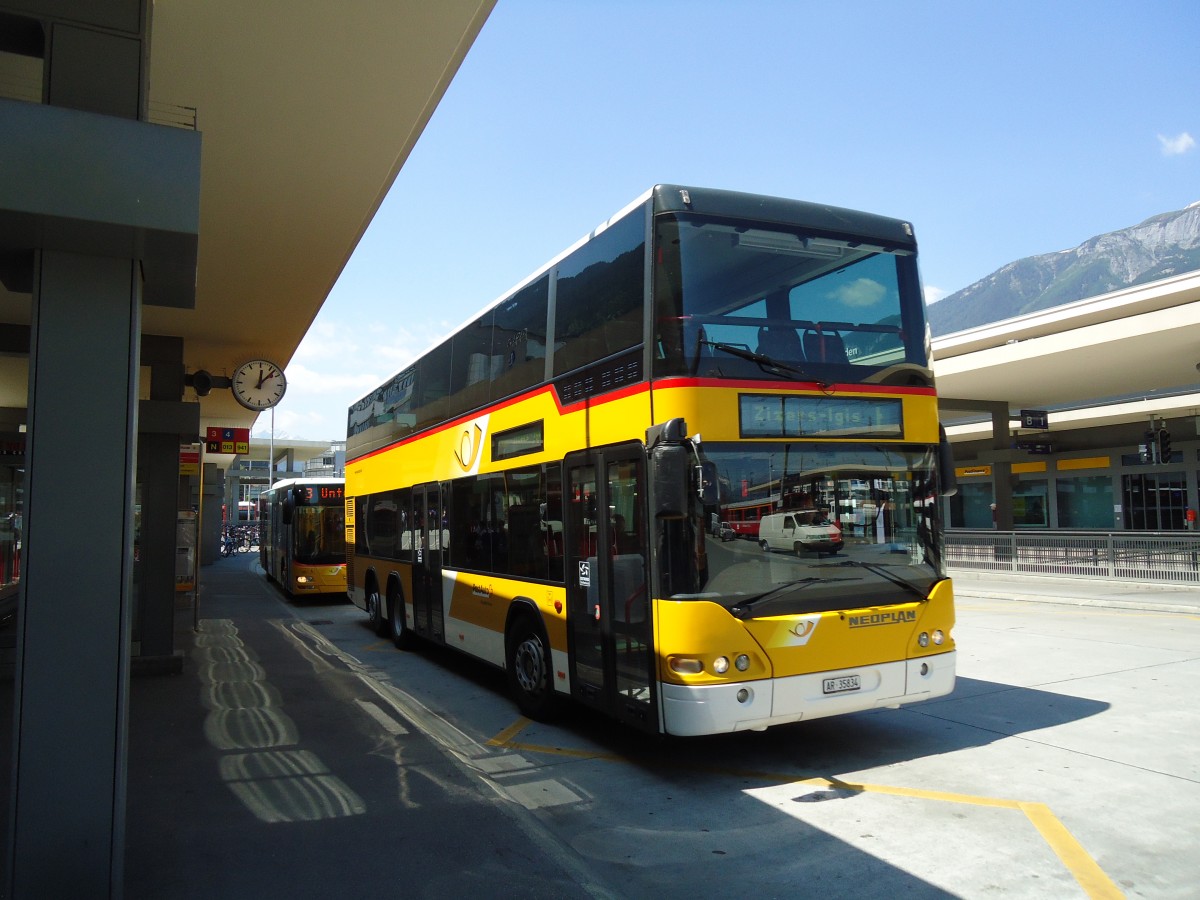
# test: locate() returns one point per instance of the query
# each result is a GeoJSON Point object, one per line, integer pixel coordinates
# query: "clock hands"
{"type": "Point", "coordinates": [263, 377]}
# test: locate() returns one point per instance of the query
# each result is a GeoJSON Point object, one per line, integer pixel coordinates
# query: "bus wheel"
{"type": "Point", "coordinates": [397, 626]}
{"type": "Point", "coordinates": [529, 676]}
{"type": "Point", "coordinates": [375, 612]}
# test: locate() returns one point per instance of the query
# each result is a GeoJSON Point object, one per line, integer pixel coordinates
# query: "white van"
{"type": "Point", "coordinates": [801, 531]}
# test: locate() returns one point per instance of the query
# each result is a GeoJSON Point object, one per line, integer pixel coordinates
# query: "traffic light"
{"type": "Point", "coordinates": [1164, 445]}
{"type": "Point", "coordinates": [1150, 447]}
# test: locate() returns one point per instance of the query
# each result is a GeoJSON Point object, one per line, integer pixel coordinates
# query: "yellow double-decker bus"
{"type": "Point", "coordinates": [302, 535]}
{"type": "Point", "coordinates": [538, 490]}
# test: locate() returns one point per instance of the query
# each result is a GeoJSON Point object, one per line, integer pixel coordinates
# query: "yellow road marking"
{"type": "Point", "coordinates": [1070, 852]}
{"type": "Point", "coordinates": [503, 738]}
{"type": "Point", "coordinates": [1077, 860]}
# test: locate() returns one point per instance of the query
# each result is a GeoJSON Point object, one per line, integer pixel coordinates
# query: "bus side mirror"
{"type": "Point", "coordinates": [669, 476]}
{"type": "Point", "coordinates": [946, 477]}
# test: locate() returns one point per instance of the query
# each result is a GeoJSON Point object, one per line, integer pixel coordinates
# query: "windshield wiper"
{"type": "Point", "coordinates": [742, 609]}
{"type": "Point", "coordinates": [765, 362]}
{"type": "Point", "coordinates": [887, 576]}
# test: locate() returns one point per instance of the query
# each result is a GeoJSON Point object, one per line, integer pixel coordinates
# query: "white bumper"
{"type": "Point", "coordinates": [716, 709]}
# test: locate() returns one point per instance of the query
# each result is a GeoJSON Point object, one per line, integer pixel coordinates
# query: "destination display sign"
{"type": "Point", "coordinates": [771, 416]}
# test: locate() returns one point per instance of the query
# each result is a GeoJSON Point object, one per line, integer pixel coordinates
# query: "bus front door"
{"type": "Point", "coordinates": [608, 606]}
{"type": "Point", "coordinates": [427, 565]}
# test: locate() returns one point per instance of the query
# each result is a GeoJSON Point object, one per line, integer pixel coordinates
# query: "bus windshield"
{"type": "Point", "coordinates": [806, 527]}
{"type": "Point", "coordinates": [743, 299]}
{"type": "Point", "coordinates": [320, 535]}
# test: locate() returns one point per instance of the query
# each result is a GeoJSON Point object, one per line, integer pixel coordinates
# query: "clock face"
{"type": "Point", "coordinates": [258, 384]}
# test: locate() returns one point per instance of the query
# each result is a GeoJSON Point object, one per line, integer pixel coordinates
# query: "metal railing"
{"type": "Point", "coordinates": [1166, 557]}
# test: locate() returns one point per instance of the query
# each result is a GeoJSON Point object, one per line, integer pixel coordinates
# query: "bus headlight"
{"type": "Point", "coordinates": [938, 637]}
{"type": "Point", "coordinates": [742, 663]}
{"type": "Point", "coordinates": [685, 666]}
{"type": "Point", "coordinates": [923, 639]}
{"type": "Point", "coordinates": [721, 665]}
{"type": "Point", "coordinates": [302, 579]}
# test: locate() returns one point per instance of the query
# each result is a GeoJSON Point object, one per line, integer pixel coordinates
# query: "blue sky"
{"type": "Point", "coordinates": [1000, 130]}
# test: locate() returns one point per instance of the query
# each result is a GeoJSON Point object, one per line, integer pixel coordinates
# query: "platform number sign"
{"type": "Point", "coordinates": [1035, 418]}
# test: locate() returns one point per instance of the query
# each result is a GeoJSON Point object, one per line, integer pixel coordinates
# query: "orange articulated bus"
{"type": "Point", "coordinates": [538, 490]}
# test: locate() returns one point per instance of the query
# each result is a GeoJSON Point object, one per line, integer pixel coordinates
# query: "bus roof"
{"type": "Point", "coordinates": [714, 202]}
{"type": "Point", "coordinates": [817, 216]}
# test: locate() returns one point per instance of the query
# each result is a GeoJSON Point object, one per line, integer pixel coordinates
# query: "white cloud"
{"type": "Point", "coordinates": [1175, 146]}
{"type": "Point", "coordinates": [933, 294]}
{"type": "Point", "coordinates": [336, 364]}
{"type": "Point", "coordinates": [861, 292]}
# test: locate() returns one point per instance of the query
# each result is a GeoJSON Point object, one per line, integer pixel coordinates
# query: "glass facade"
{"type": "Point", "coordinates": [1085, 501]}
{"type": "Point", "coordinates": [1031, 506]}
{"type": "Point", "coordinates": [971, 507]}
{"type": "Point", "coordinates": [1154, 501]}
{"type": "Point", "coordinates": [1126, 495]}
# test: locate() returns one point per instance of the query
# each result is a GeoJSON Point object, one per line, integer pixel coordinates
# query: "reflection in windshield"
{"type": "Point", "coordinates": [732, 300]}
{"type": "Point", "coordinates": [820, 527]}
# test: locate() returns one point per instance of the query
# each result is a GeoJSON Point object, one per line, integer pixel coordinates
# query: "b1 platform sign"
{"type": "Point", "coordinates": [1035, 418]}
{"type": "Point", "coordinates": [227, 440]}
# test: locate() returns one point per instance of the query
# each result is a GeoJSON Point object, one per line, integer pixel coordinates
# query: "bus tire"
{"type": "Point", "coordinates": [397, 624]}
{"type": "Point", "coordinates": [375, 617]}
{"type": "Point", "coordinates": [530, 679]}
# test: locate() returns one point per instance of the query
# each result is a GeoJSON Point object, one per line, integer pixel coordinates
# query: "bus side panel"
{"type": "Point", "coordinates": [477, 612]}
{"type": "Point", "coordinates": [625, 418]}
{"type": "Point", "coordinates": [365, 566]}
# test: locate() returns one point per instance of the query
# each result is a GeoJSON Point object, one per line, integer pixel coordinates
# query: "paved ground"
{"type": "Point", "coordinates": [256, 774]}
{"type": "Point", "coordinates": [300, 756]}
{"type": "Point", "coordinates": [1079, 592]}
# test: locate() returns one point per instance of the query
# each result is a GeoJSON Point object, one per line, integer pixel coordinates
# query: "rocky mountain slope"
{"type": "Point", "coordinates": [1162, 246]}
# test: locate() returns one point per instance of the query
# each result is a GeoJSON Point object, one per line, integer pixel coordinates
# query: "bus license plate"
{"type": "Point", "coordinates": [841, 683]}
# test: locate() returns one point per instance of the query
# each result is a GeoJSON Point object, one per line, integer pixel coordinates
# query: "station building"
{"type": "Point", "coordinates": [1113, 442]}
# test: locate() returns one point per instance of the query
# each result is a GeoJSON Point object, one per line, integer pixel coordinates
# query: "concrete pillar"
{"type": "Point", "coordinates": [1002, 468]}
{"type": "Point", "coordinates": [73, 631]}
{"type": "Point", "coordinates": [106, 208]}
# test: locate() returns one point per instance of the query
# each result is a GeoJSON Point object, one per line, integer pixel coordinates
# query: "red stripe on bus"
{"type": "Point", "coordinates": [742, 384]}
{"type": "Point", "coordinates": [661, 384]}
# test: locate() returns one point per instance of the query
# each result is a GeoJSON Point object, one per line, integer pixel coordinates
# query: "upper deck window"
{"type": "Point", "coordinates": [600, 295]}
{"type": "Point", "coordinates": [751, 300]}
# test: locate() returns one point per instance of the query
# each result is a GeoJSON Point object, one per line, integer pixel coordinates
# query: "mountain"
{"type": "Point", "coordinates": [1162, 246]}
